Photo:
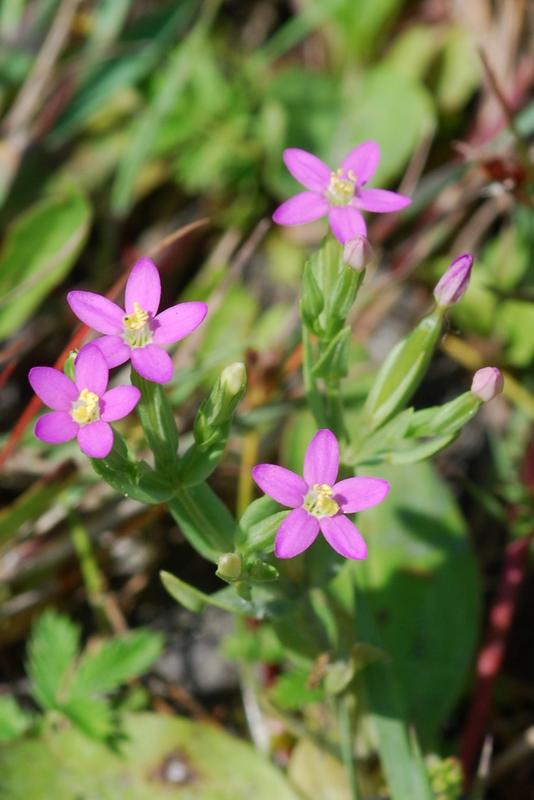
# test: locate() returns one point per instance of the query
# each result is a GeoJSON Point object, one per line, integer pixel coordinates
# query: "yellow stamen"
{"type": "Point", "coordinates": [86, 408]}
{"type": "Point", "coordinates": [137, 320]}
{"type": "Point", "coordinates": [319, 501]}
{"type": "Point", "coordinates": [341, 188]}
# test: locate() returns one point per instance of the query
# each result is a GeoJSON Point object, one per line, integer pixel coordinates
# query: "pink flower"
{"type": "Point", "coordinates": [452, 285]}
{"type": "Point", "coordinates": [318, 502]}
{"type": "Point", "coordinates": [138, 332]}
{"type": "Point", "coordinates": [487, 383]}
{"type": "Point", "coordinates": [340, 195]}
{"type": "Point", "coordinates": [81, 408]}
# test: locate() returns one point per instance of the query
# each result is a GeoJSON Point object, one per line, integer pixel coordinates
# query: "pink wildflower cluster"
{"type": "Point", "coordinates": [83, 408]}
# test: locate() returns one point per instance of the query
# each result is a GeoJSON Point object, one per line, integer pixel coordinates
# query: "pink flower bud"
{"type": "Point", "coordinates": [357, 253]}
{"type": "Point", "coordinates": [452, 285]}
{"type": "Point", "coordinates": [487, 383]}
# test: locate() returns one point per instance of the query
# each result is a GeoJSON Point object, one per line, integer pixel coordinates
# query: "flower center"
{"type": "Point", "coordinates": [86, 408]}
{"type": "Point", "coordinates": [341, 188]}
{"type": "Point", "coordinates": [319, 501]}
{"type": "Point", "coordinates": [137, 331]}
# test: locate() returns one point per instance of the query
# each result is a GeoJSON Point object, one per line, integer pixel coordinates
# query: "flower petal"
{"type": "Point", "coordinates": [281, 484]}
{"type": "Point", "coordinates": [118, 402]}
{"type": "Point", "coordinates": [346, 223]}
{"type": "Point", "coordinates": [143, 286]}
{"type": "Point", "coordinates": [114, 350]}
{"type": "Point", "coordinates": [178, 321]}
{"type": "Point", "coordinates": [343, 536]}
{"type": "Point", "coordinates": [355, 494]}
{"type": "Point", "coordinates": [308, 170]}
{"type": "Point", "coordinates": [321, 462]}
{"type": "Point", "coordinates": [96, 439]}
{"type": "Point", "coordinates": [90, 370]}
{"type": "Point", "coordinates": [152, 363]}
{"type": "Point", "coordinates": [363, 161]}
{"type": "Point", "coordinates": [296, 533]}
{"type": "Point", "coordinates": [53, 387]}
{"type": "Point", "coordinates": [301, 208]}
{"type": "Point", "coordinates": [96, 311]}
{"type": "Point", "coordinates": [380, 200]}
{"type": "Point", "coordinates": [56, 427]}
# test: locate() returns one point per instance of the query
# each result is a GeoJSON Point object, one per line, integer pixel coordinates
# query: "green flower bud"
{"type": "Point", "coordinates": [68, 366]}
{"type": "Point", "coordinates": [229, 566]}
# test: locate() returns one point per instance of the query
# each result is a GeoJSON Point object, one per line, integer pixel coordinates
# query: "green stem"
{"type": "Point", "coordinates": [334, 412]}
{"type": "Point", "coordinates": [315, 401]}
{"type": "Point", "coordinates": [344, 722]}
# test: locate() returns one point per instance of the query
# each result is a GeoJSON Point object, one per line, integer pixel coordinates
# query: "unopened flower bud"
{"type": "Point", "coordinates": [357, 253]}
{"type": "Point", "coordinates": [68, 366]}
{"type": "Point", "coordinates": [230, 566]}
{"type": "Point", "coordinates": [233, 378]}
{"type": "Point", "coordinates": [451, 286]}
{"type": "Point", "coordinates": [487, 383]}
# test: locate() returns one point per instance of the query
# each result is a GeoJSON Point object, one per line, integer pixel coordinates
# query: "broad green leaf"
{"type": "Point", "coordinates": [116, 661]}
{"type": "Point", "coordinates": [91, 715]}
{"type": "Point", "coordinates": [39, 249]}
{"type": "Point", "coordinates": [13, 720]}
{"type": "Point", "coordinates": [161, 758]}
{"type": "Point", "coordinates": [292, 691]}
{"type": "Point", "coordinates": [420, 568]}
{"type": "Point", "coordinates": [53, 646]}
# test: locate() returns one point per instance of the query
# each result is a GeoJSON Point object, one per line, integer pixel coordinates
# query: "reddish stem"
{"type": "Point", "coordinates": [491, 656]}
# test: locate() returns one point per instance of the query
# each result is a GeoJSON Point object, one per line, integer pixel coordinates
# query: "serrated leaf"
{"type": "Point", "coordinates": [92, 715]}
{"type": "Point", "coordinates": [53, 646]}
{"type": "Point", "coordinates": [13, 720]}
{"type": "Point", "coordinates": [116, 661]}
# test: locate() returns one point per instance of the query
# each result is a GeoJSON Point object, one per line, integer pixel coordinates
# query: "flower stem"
{"type": "Point", "coordinates": [315, 401]}
{"type": "Point", "coordinates": [249, 453]}
{"type": "Point", "coordinates": [344, 722]}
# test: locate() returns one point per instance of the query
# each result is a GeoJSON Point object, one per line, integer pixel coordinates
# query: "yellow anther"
{"type": "Point", "coordinates": [319, 501]}
{"type": "Point", "coordinates": [86, 408]}
{"type": "Point", "coordinates": [137, 320]}
{"type": "Point", "coordinates": [341, 188]}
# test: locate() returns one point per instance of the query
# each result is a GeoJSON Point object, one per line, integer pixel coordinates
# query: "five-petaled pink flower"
{"type": "Point", "coordinates": [81, 408]}
{"type": "Point", "coordinates": [318, 502]}
{"type": "Point", "coordinates": [340, 195]}
{"type": "Point", "coordinates": [138, 332]}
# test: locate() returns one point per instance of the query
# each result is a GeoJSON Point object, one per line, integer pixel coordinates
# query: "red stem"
{"type": "Point", "coordinates": [491, 655]}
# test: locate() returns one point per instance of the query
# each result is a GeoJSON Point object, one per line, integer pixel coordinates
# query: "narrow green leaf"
{"type": "Point", "coordinates": [39, 249]}
{"type": "Point", "coordinates": [159, 425]}
{"type": "Point", "coordinates": [204, 520]}
{"type": "Point", "coordinates": [195, 600]}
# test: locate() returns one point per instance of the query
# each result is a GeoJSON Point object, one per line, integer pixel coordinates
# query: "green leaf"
{"type": "Point", "coordinates": [420, 567]}
{"type": "Point", "coordinates": [53, 646]}
{"type": "Point", "coordinates": [159, 425]}
{"type": "Point", "coordinates": [131, 478]}
{"type": "Point", "coordinates": [195, 600]}
{"type": "Point", "coordinates": [291, 691]}
{"type": "Point", "coordinates": [92, 715]}
{"type": "Point", "coordinates": [116, 661]}
{"type": "Point", "coordinates": [204, 520]}
{"type": "Point", "coordinates": [14, 722]}
{"type": "Point", "coordinates": [107, 78]}
{"type": "Point", "coordinates": [161, 758]}
{"type": "Point", "coordinates": [39, 249]}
